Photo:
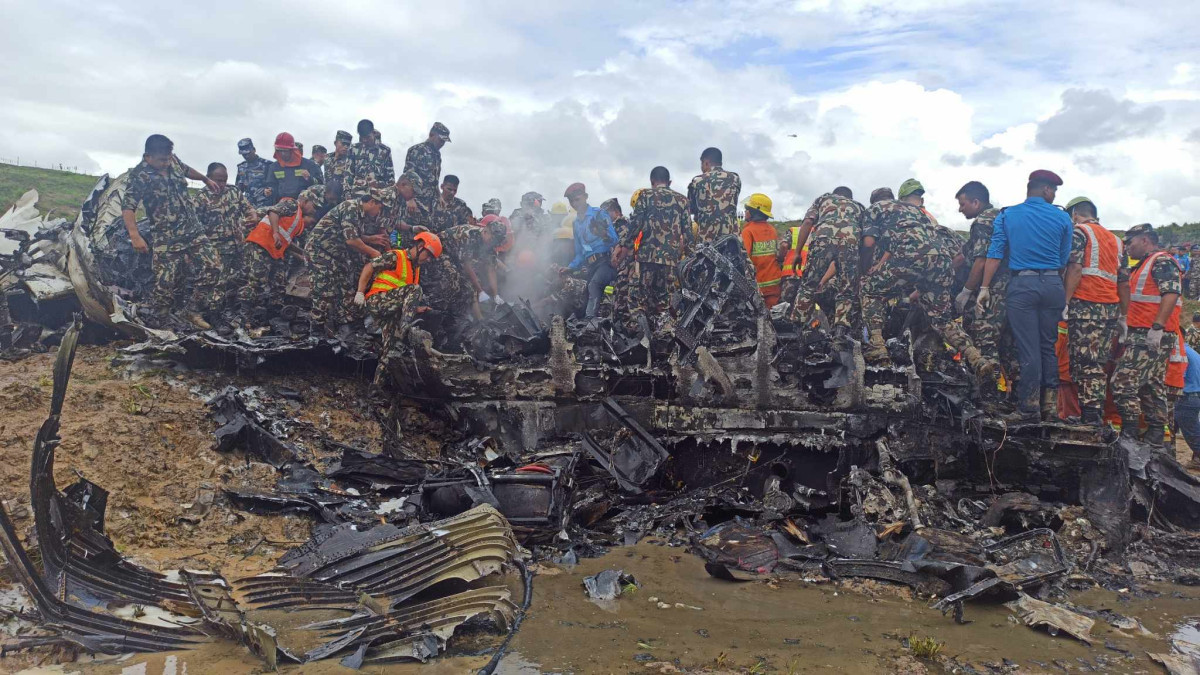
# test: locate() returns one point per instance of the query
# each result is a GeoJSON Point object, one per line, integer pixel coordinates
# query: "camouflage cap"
{"type": "Point", "coordinates": [880, 194]}
{"type": "Point", "coordinates": [529, 198]}
{"type": "Point", "coordinates": [611, 204]}
{"type": "Point", "coordinates": [319, 148]}
{"type": "Point", "coordinates": [492, 206]}
{"type": "Point", "coordinates": [343, 136]}
{"type": "Point", "coordinates": [497, 229]}
{"type": "Point", "coordinates": [384, 194]}
{"type": "Point", "coordinates": [1144, 228]}
{"type": "Point", "coordinates": [245, 145]}
{"type": "Point", "coordinates": [315, 195]}
{"type": "Point", "coordinates": [410, 177]}
{"type": "Point", "coordinates": [911, 186]}
{"type": "Point", "coordinates": [441, 131]}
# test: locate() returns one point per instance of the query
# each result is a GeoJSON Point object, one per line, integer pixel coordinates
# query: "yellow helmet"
{"type": "Point", "coordinates": [559, 208]}
{"type": "Point", "coordinates": [760, 202]}
{"type": "Point", "coordinates": [634, 199]}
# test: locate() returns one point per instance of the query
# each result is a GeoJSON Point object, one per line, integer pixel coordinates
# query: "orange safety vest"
{"type": "Point", "coordinates": [1177, 363]}
{"type": "Point", "coordinates": [1101, 256]}
{"type": "Point", "coordinates": [402, 275]}
{"type": "Point", "coordinates": [762, 245]}
{"type": "Point", "coordinates": [1144, 297]}
{"type": "Point", "coordinates": [290, 227]}
{"type": "Point", "coordinates": [789, 260]}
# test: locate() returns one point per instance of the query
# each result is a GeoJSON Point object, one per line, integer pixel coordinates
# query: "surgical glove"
{"type": "Point", "coordinates": [984, 300]}
{"type": "Point", "coordinates": [484, 297]}
{"type": "Point", "coordinates": [1064, 316]}
{"type": "Point", "coordinates": [961, 300]}
{"type": "Point", "coordinates": [1123, 334]}
{"type": "Point", "coordinates": [360, 299]}
{"type": "Point", "coordinates": [1154, 338]}
{"type": "Point", "coordinates": [499, 300]}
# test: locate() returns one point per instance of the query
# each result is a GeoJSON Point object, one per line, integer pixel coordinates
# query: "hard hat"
{"type": "Point", "coordinates": [559, 208]}
{"type": "Point", "coordinates": [637, 194]}
{"type": "Point", "coordinates": [760, 202]}
{"type": "Point", "coordinates": [910, 186]}
{"type": "Point", "coordinates": [564, 232]}
{"type": "Point", "coordinates": [1077, 201]}
{"type": "Point", "coordinates": [432, 242]}
{"type": "Point", "coordinates": [285, 141]}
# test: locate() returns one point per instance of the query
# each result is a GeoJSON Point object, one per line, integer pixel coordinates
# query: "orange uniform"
{"type": "Point", "coordinates": [762, 245]}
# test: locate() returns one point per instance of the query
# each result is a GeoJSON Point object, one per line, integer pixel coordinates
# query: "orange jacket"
{"type": "Point", "coordinates": [1101, 256]}
{"type": "Point", "coordinates": [290, 227]}
{"type": "Point", "coordinates": [1177, 363]}
{"type": "Point", "coordinates": [762, 245]}
{"type": "Point", "coordinates": [1144, 297]}
{"type": "Point", "coordinates": [403, 274]}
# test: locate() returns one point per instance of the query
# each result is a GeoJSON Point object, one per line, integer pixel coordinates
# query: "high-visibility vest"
{"type": "Point", "coordinates": [1101, 258]}
{"type": "Point", "coordinates": [1177, 363]}
{"type": "Point", "coordinates": [1144, 297]}
{"type": "Point", "coordinates": [290, 227]}
{"type": "Point", "coordinates": [789, 261]}
{"type": "Point", "coordinates": [402, 275]}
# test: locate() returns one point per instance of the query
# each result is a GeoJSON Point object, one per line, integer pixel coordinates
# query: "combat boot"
{"type": "Point", "coordinates": [1050, 406]}
{"type": "Point", "coordinates": [984, 368]}
{"type": "Point", "coordinates": [876, 353]}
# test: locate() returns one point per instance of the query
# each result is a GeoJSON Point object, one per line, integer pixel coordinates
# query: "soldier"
{"type": "Point", "coordinates": [762, 246]}
{"type": "Point", "coordinates": [913, 257]}
{"type": "Point", "coordinates": [491, 207]}
{"type": "Point", "coordinates": [252, 175]}
{"type": "Point", "coordinates": [448, 209]}
{"type": "Point", "coordinates": [1096, 285]}
{"type": "Point", "coordinates": [336, 167]}
{"type": "Point", "coordinates": [267, 245]}
{"type": "Point", "coordinates": [185, 261]}
{"type": "Point", "coordinates": [472, 246]}
{"type": "Point", "coordinates": [370, 162]}
{"type": "Point", "coordinates": [291, 172]}
{"type": "Point", "coordinates": [1193, 274]}
{"type": "Point", "coordinates": [713, 198]}
{"type": "Point", "coordinates": [1138, 383]}
{"type": "Point", "coordinates": [395, 294]}
{"type": "Point", "coordinates": [594, 238]}
{"type": "Point", "coordinates": [659, 238]}
{"type": "Point", "coordinates": [406, 212]}
{"type": "Point", "coordinates": [335, 246]}
{"type": "Point", "coordinates": [425, 159]}
{"type": "Point", "coordinates": [529, 221]}
{"type": "Point", "coordinates": [227, 216]}
{"type": "Point", "coordinates": [988, 328]}
{"type": "Point", "coordinates": [1191, 335]}
{"type": "Point", "coordinates": [319, 153]}
{"type": "Point", "coordinates": [831, 230]}
{"type": "Point", "coordinates": [622, 299]}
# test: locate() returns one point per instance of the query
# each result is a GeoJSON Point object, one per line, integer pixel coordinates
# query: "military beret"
{"type": "Point", "coordinates": [1144, 228]}
{"type": "Point", "coordinates": [1044, 176]}
{"type": "Point", "coordinates": [440, 129]}
{"type": "Point", "coordinates": [343, 136]}
{"type": "Point", "coordinates": [575, 189]}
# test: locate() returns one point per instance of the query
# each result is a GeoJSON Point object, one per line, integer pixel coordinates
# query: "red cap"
{"type": "Point", "coordinates": [1044, 176]}
{"type": "Point", "coordinates": [575, 189]}
{"type": "Point", "coordinates": [284, 141]}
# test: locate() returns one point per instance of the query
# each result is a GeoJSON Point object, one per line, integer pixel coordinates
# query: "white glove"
{"type": "Point", "coordinates": [1064, 316]}
{"type": "Point", "coordinates": [961, 300]}
{"type": "Point", "coordinates": [499, 301]}
{"type": "Point", "coordinates": [360, 299]}
{"type": "Point", "coordinates": [983, 300]}
{"type": "Point", "coordinates": [484, 297]}
{"type": "Point", "coordinates": [1123, 334]}
{"type": "Point", "coordinates": [1154, 338]}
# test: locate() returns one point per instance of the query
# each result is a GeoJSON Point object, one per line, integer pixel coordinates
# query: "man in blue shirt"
{"type": "Point", "coordinates": [1036, 237]}
{"type": "Point", "coordinates": [1187, 408]}
{"type": "Point", "coordinates": [595, 238]}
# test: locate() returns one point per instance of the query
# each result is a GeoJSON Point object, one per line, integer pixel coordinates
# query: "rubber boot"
{"type": "Point", "coordinates": [1050, 406]}
{"type": "Point", "coordinates": [876, 353]}
{"type": "Point", "coordinates": [984, 368]}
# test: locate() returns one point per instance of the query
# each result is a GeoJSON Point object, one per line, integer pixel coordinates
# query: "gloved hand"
{"type": "Point", "coordinates": [1123, 333]}
{"type": "Point", "coordinates": [1064, 316]}
{"type": "Point", "coordinates": [360, 299]}
{"type": "Point", "coordinates": [983, 301]}
{"type": "Point", "coordinates": [961, 300]}
{"type": "Point", "coordinates": [499, 301]}
{"type": "Point", "coordinates": [484, 297]}
{"type": "Point", "coordinates": [1154, 338]}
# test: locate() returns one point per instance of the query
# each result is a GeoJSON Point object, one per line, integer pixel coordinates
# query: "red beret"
{"type": "Point", "coordinates": [1044, 176]}
{"type": "Point", "coordinates": [575, 189]}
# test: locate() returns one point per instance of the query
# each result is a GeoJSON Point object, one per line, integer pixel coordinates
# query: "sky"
{"type": "Point", "coordinates": [800, 96]}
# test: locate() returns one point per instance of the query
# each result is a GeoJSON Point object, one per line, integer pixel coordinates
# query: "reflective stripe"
{"type": "Point", "coordinates": [390, 280]}
{"type": "Point", "coordinates": [763, 284]}
{"type": "Point", "coordinates": [1137, 293]}
{"type": "Point", "coordinates": [1092, 269]}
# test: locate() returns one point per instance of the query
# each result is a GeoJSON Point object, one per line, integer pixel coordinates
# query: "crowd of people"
{"type": "Point", "coordinates": [1033, 287]}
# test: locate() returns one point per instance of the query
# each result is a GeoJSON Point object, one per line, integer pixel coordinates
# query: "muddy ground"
{"type": "Point", "coordinates": [144, 435]}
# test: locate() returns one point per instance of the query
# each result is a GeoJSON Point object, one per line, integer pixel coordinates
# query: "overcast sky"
{"type": "Point", "coordinates": [800, 96]}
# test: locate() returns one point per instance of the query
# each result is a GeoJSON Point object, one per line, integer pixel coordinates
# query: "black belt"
{"type": "Point", "coordinates": [596, 258]}
{"type": "Point", "coordinates": [1025, 273]}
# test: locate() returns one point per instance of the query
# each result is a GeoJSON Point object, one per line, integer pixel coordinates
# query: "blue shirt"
{"type": "Point", "coordinates": [1185, 261]}
{"type": "Point", "coordinates": [1035, 234]}
{"type": "Point", "coordinates": [588, 243]}
{"type": "Point", "coordinates": [1191, 377]}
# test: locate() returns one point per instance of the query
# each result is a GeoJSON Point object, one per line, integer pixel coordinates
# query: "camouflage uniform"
{"type": "Point", "coordinates": [225, 217]}
{"type": "Point", "coordinates": [919, 261]}
{"type": "Point", "coordinates": [252, 181]}
{"type": "Point", "coordinates": [266, 277]}
{"type": "Point", "coordinates": [1139, 381]}
{"type": "Point", "coordinates": [989, 330]}
{"type": "Point", "coordinates": [1191, 336]}
{"type": "Point", "coordinates": [393, 310]}
{"type": "Point", "coordinates": [834, 238]}
{"type": "Point", "coordinates": [426, 161]}
{"type": "Point", "coordinates": [445, 216]}
{"type": "Point", "coordinates": [334, 276]}
{"type": "Point", "coordinates": [1091, 329]}
{"type": "Point", "coordinates": [1193, 277]}
{"type": "Point", "coordinates": [445, 290]}
{"type": "Point", "coordinates": [713, 201]}
{"type": "Point", "coordinates": [338, 171]}
{"type": "Point", "coordinates": [185, 261]}
{"type": "Point", "coordinates": [530, 222]}
{"type": "Point", "coordinates": [369, 165]}
{"type": "Point", "coordinates": [661, 219]}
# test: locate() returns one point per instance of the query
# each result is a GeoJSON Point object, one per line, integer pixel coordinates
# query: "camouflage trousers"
{"type": "Point", "coordinates": [991, 334]}
{"type": "Point", "coordinates": [930, 275]}
{"type": "Point", "coordinates": [187, 280]}
{"type": "Point", "coordinates": [648, 294]}
{"type": "Point", "coordinates": [232, 255]}
{"type": "Point", "coordinates": [444, 288]}
{"type": "Point", "coordinates": [843, 285]}
{"type": "Point", "coordinates": [333, 287]}
{"type": "Point", "coordinates": [264, 280]}
{"type": "Point", "coordinates": [1139, 383]}
{"type": "Point", "coordinates": [710, 232]}
{"type": "Point", "coordinates": [394, 311]}
{"type": "Point", "coordinates": [1090, 339]}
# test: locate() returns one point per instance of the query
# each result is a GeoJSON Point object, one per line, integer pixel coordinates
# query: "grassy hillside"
{"type": "Point", "coordinates": [60, 192]}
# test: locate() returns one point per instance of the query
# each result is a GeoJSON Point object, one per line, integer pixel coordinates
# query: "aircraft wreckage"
{"type": "Point", "coordinates": [764, 453]}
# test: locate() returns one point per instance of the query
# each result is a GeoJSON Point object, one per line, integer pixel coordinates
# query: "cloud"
{"type": "Point", "coordinates": [989, 157]}
{"type": "Point", "coordinates": [1092, 117]}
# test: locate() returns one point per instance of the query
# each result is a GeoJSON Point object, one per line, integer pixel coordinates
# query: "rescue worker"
{"type": "Point", "coordinates": [267, 244]}
{"type": "Point", "coordinates": [473, 246]}
{"type": "Point", "coordinates": [395, 292]}
{"type": "Point", "coordinates": [333, 247]}
{"type": "Point", "coordinates": [1187, 409]}
{"type": "Point", "coordinates": [370, 162]}
{"type": "Point", "coordinates": [319, 153]}
{"type": "Point", "coordinates": [792, 259]}
{"type": "Point", "coordinates": [913, 257]}
{"type": "Point", "coordinates": [227, 216]}
{"type": "Point", "coordinates": [830, 230]}
{"type": "Point", "coordinates": [1193, 274]}
{"type": "Point", "coordinates": [762, 245]}
{"type": "Point", "coordinates": [1191, 334]}
{"type": "Point", "coordinates": [425, 159]}
{"type": "Point", "coordinates": [713, 198]}
{"type": "Point", "coordinates": [291, 172]}
{"type": "Point", "coordinates": [529, 221]}
{"type": "Point", "coordinates": [563, 223]}
{"type": "Point", "coordinates": [336, 168]}
{"type": "Point", "coordinates": [1139, 381]}
{"type": "Point", "coordinates": [1176, 366]}
{"type": "Point", "coordinates": [1036, 238]}
{"type": "Point", "coordinates": [252, 175]}
{"type": "Point", "coordinates": [622, 300]}
{"type": "Point", "coordinates": [402, 217]}
{"type": "Point", "coordinates": [1096, 286]}
{"type": "Point", "coordinates": [448, 209]}
{"type": "Point", "coordinates": [594, 238]}
{"type": "Point", "coordinates": [491, 207]}
{"type": "Point", "coordinates": [659, 238]}
{"type": "Point", "coordinates": [186, 264]}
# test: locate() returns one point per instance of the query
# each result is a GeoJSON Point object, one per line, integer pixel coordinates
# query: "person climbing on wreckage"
{"type": "Point", "coordinates": [394, 295]}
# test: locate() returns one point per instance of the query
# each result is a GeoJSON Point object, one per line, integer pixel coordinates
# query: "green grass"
{"type": "Point", "coordinates": [59, 192]}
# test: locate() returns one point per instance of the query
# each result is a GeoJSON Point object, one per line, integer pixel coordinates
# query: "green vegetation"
{"type": "Point", "coordinates": [924, 648]}
{"type": "Point", "coordinates": [59, 192]}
